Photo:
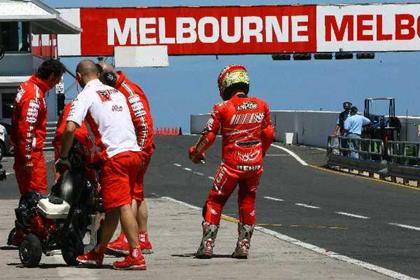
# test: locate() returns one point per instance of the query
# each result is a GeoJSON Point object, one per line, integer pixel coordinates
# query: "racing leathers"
{"type": "Point", "coordinates": [142, 119]}
{"type": "Point", "coordinates": [29, 124]}
{"type": "Point", "coordinates": [247, 133]}
{"type": "Point", "coordinates": [87, 146]}
{"type": "Point", "coordinates": [140, 111]}
{"type": "Point", "coordinates": [81, 134]}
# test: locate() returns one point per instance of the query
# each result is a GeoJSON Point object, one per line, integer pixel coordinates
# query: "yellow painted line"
{"type": "Point", "coordinates": [230, 219]}
{"type": "Point", "coordinates": [318, 227]}
{"type": "Point", "coordinates": [270, 225]}
{"type": "Point", "coordinates": [363, 177]}
{"type": "Point", "coordinates": [235, 221]}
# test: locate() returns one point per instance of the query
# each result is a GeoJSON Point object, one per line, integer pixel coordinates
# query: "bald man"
{"type": "Point", "coordinates": [143, 124]}
{"type": "Point", "coordinates": [107, 114]}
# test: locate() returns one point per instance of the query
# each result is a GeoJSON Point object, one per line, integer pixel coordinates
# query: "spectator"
{"type": "Point", "coordinates": [353, 127]}
{"type": "Point", "coordinates": [339, 129]}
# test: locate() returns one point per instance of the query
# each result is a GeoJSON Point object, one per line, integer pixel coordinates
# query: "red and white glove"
{"type": "Point", "coordinates": [195, 156]}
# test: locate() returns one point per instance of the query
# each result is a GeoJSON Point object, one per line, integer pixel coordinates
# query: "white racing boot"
{"type": "Point", "coordinates": [244, 240]}
{"type": "Point", "coordinates": [205, 251]}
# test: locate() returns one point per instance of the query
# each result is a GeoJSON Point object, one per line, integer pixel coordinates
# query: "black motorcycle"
{"type": "Point", "coordinates": [60, 220]}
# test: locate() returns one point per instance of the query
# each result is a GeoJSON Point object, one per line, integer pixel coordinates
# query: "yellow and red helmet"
{"type": "Point", "coordinates": [231, 75]}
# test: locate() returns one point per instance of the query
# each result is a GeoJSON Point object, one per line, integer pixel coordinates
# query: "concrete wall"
{"type": "Point", "coordinates": [198, 122]}
{"type": "Point", "coordinates": [410, 128]}
{"type": "Point", "coordinates": [311, 127]}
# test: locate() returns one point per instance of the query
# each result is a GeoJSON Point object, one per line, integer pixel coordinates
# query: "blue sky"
{"type": "Point", "coordinates": [188, 85]}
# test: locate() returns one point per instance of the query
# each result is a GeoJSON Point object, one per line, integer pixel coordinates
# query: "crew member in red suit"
{"type": "Point", "coordinates": [81, 135]}
{"type": "Point", "coordinates": [247, 133]}
{"type": "Point", "coordinates": [29, 124]}
{"type": "Point", "coordinates": [143, 124]}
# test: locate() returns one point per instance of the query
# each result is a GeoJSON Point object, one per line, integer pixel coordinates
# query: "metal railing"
{"type": "Point", "coordinates": [403, 152]}
{"type": "Point", "coordinates": [358, 148]}
{"type": "Point", "coordinates": [399, 161]}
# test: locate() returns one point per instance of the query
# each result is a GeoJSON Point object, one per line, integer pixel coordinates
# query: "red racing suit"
{"type": "Point", "coordinates": [142, 119]}
{"type": "Point", "coordinates": [247, 133]}
{"type": "Point", "coordinates": [29, 125]}
{"type": "Point", "coordinates": [82, 136]}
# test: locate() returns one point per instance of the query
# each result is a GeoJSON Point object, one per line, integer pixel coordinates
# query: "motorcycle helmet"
{"type": "Point", "coordinates": [231, 78]}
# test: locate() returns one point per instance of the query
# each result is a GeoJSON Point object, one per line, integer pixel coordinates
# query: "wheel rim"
{"type": "Point", "coordinates": [25, 253]}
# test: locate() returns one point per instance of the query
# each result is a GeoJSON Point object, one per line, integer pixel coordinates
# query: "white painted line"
{"type": "Point", "coordinates": [9, 173]}
{"type": "Point", "coordinates": [177, 164]}
{"type": "Point", "coordinates": [181, 202]}
{"type": "Point", "coordinates": [301, 161]}
{"type": "Point", "coordinates": [211, 178]}
{"type": "Point", "coordinates": [307, 205]}
{"type": "Point", "coordinates": [352, 215]}
{"type": "Point", "coordinates": [273, 198]}
{"type": "Point", "coordinates": [187, 169]}
{"type": "Point", "coordinates": [198, 173]}
{"type": "Point", "coordinates": [317, 249]}
{"type": "Point", "coordinates": [405, 226]}
{"type": "Point", "coordinates": [336, 256]}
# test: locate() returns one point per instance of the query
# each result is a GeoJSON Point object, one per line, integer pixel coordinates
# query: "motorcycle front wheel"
{"type": "Point", "coordinates": [71, 248]}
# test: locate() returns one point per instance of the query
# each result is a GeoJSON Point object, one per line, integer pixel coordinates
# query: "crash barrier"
{"type": "Point", "coordinates": [361, 148]}
{"type": "Point", "coordinates": [403, 152]}
{"type": "Point", "coordinates": [51, 127]}
{"type": "Point", "coordinates": [168, 131]}
{"type": "Point", "coordinates": [398, 162]}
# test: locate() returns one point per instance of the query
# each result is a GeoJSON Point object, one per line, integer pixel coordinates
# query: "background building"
{"type": "Point", "coordinates": [28, 35]}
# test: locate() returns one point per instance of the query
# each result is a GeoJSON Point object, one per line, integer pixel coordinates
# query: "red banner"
{"type": "Point", "coordinates": [245, 29]}
{"type": "Point", "coordinates": [200, 30]}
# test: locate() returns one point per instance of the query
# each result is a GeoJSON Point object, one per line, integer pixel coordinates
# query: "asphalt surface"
{"type": "Point", "coordinates": [370, 238]}
{"type": "Point", "coordinates": [175, 232]}
{"type": "Point", "coordinates": [364, 219]}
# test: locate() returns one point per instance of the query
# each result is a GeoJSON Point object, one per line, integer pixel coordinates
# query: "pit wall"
{"type": "Point", "coordinates": [311, 128]}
